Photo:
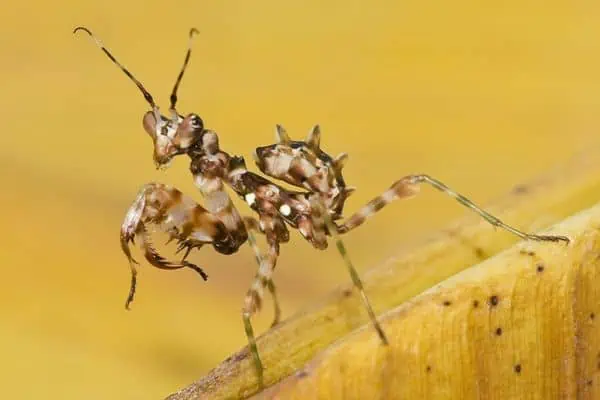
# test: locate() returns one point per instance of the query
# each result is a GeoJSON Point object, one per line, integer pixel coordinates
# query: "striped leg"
{"type": "Point", "coordinates": [175, 214]}
{"type": "Point", "coordinates": [252, 225]}
{"type": "Point", "coordinates": [408, 186]}
{"type": "Point", "coordinates": [253, 299]}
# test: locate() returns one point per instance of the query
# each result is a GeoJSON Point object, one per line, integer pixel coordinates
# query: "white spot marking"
{"type": "Point", "coordinates": [250, 198]}
{"type": "Point", "coordinates": [285, 210]}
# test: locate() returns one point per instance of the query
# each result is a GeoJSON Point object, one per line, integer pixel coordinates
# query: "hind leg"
{"type": "Point", "coordinates": [409, 186]}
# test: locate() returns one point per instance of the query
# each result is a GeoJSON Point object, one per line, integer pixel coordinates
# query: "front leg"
{"type": "Point", "coordinates": [175, 214]}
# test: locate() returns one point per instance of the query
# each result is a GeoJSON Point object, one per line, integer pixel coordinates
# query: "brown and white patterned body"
{"type": "Point", "coordinates": [304, 165]}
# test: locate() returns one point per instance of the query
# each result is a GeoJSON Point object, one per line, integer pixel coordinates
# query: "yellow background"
{"type": "Point", "coordinates": [479, 94]}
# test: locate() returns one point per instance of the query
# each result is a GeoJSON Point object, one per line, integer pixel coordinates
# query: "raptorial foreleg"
{"type": "Point", "coordinates": [175, 214]}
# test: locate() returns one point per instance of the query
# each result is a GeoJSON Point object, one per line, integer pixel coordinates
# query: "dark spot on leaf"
{"type": "Point", "coordinates": [428, 369]}
{"type": "Point", "coordinates": [347, 292]}
{"type": "Point", "coordinates": [499, 331]}
{"type": "Point", "coordinates": [539, 267]}
{"type": "Point", "coordinates": [302, 374]}
{"type": "Point", "coordinates": [520, 189]}
{"type": "Point", "coordinates": [527, 252]}
{"type": "Point", "coordinates": [446, 303]}
{"type": "Point", "coordinates": [493, 301]}
{"type": "Point", "coordinates": [592, 316]}
{"type": "Point", "coordinates": [590, 382]}
{"type": "Point", "coordinates": [475, 303]}
{"type": "Point", "coordinates": [518, 368]}
{"type": "Point", "coordinates": [479, 252]}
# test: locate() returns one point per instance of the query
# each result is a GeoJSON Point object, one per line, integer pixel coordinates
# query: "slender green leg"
{"type": "Point", "coordinates": [253, 349]}
{"type": "Point", "coordinates": [353, 273]}
{"type": "Point", "coordinates": [415, 179]}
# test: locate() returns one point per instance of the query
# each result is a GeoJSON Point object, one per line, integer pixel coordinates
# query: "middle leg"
{"type": "Point", "coordinates": [252, 225]}
{"type": "Point", "coordinates": [254, 296]}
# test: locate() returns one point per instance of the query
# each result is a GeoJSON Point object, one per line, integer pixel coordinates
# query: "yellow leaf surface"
{"type": "Point", "coordinates": [522, 324]}
{"type": "Point", "coordinates": [288, 347]}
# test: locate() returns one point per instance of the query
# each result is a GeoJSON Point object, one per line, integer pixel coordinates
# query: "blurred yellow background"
{"type": "Point", "coordinates": [480, 95]}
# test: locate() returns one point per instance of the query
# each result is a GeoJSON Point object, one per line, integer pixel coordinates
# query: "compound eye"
{"type": "Point", "coordinates": [196, 122]}
{"type": "Point", "coordinates": [149, 123]}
